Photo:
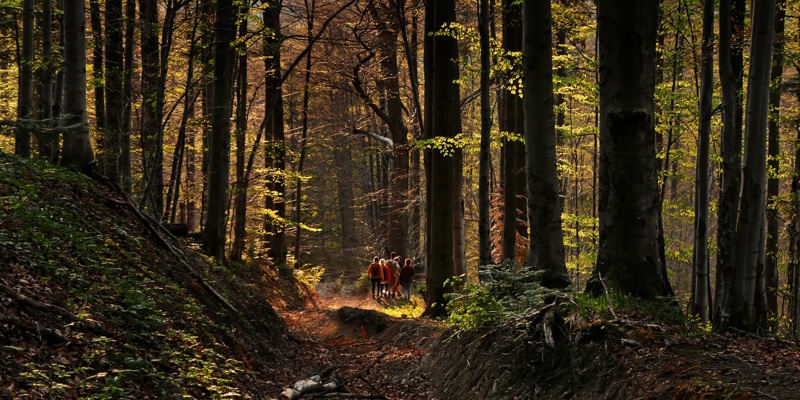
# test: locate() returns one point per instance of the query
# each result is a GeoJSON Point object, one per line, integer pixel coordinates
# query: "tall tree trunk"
{"type": "Point", "coordinates": [629, 254]}
{"type": "Point", "coordinates": [219, 157]}
{"type": "Point", "coordinates": [150, 125]}
{"type": "Point", "coordinates": [127, 93]}
{"type": "Point", "coordinates": [546, 250]}
{"type": "Point", "coordinates": [77, 152]}
{"type": "Point", "coordinates": [731, 65]}
{"type": "Point", "coordinates": [48, 144]}
{"type": "Point", "coordinates": [512, 123]}
{"type": "Point", "coordinates": [240, 186]}
{"type": "Point", "coordinates": [700, 291]}
{"type": "Point", "coordinates": [773, 188]}
{"type": "Point", "coordinates": [484, 219]}
{"type": "Point", "coordinates": [445, 100]}
{"type": "Point", "coordinates": [310, 10]}
{"type": "Point", "coordinates": [275, 151]}
{"type": "Point", "coordinates": [114, 96]}
{"type": "Point", "coordinates": [97, 72]}
{"type": "Point", "coordinates": [22, 142]}
{"type": "Point", "coordinates": [749, 233]}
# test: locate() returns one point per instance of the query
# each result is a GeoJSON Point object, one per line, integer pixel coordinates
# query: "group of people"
{"type": "Point", "coordinates": [389, 279]}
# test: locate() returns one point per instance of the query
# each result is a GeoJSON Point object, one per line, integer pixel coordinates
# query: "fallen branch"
{"type": "Point", "coordinates": [34, 328]}
{"type": "Point", "coordinates": [25, 300]}
{"type": "Point", "coordinates": [154, 228]}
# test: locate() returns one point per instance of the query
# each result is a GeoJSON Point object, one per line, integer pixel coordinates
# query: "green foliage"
{"type": "Point", "coordinates": [501, 295]}
{"type": "Point", "coordinates": [46, 223]}
{"type": "Point", "coordinates": [656, 311]}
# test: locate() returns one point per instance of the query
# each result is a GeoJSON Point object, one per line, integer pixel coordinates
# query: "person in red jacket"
{"type": "Point", "coordinates": [387, 277]}
{"type": "Point", "coordinates": [375, 273]}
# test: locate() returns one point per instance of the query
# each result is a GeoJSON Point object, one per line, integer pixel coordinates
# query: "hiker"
{"type": "Point", "coordinates": [394, 266]}
{"type": "Point", "coordinates": [406, 278]}
{"type": "Point", "coordinates": [375, 273]}
{"type": "Point", "coordinates": [387, 276]}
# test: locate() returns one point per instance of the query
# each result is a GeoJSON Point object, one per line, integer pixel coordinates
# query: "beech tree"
{"type": "Point", "coordinates": [511, 123]}
{"type": "Point", "coordinates": [444, 115]}
{"type": "Point", "coordinates": [744, 309]}
{"type": "Point", "coordinates": [22, 144]}
{"type": "Point", "coordinates": [77, 151]}
{"type": "Point", "coordinates": [219, 157]}
{"type": "Point", "coordinates": [701, 289]}
{"type": "Point", "coordinates": [731, 66]}
{"type": "Point", "coordinates": [484, 221]}
{"type": "Point", "coordinates": [546, 250]}
{"type": "Point", "coordinates": [629, 258]}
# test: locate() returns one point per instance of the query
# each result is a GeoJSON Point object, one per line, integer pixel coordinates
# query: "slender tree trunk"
{"type": "Point", "coordinates": [310, 10]}
{"type": "Point", "coordinates": [275, 151]}
{"type": "Point", "coordinates": [546, 250]}
{"type": "Point", "coordinates": [219, 157]}
{"type": "Point", "coordinates": [48, 144]}
{"type": "Point", "coordinates": [150, 124]}
{"type": "Point", "coordinates": [77, 153]}
{"type": "Point", "coordinates": [22, 142]}
{"type": "Point", "coordinates": [749, 233]}
{"type": "Point", "coordinates": [773, 188]}
{"type": "Point", "coordinates": [484, 220]}
{"type": "Point", "coordinates": [97, 73]}
{"type": "Point", "coordinates": [731, 62]}
{"type": "Point", "coordinates": [240, 187]}
{"type": "Point", "coordinates": [700, 291]}
{"type": "Point", "coordinates": [114, 96]}
{"type": "Point", "coordinates": [629, 254]}
{"type": "Point", "coordinates": [511, 122]}
{"type": "Point", "coordinates": [127, 93]}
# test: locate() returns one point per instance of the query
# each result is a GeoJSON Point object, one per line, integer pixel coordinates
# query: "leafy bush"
{"type": "Point", "coordinates": [502, 295]}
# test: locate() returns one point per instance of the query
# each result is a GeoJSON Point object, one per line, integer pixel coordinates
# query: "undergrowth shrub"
{"type": "Point", "coordinates": [501, 295]}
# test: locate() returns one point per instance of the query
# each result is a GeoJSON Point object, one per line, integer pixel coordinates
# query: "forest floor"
{"type": "Point", "coordinates": [629, 357]}
{"type": "Point", "coordinates": [97, 302]}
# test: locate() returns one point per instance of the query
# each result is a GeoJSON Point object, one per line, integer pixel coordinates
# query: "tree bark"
{"type": "Point", "coordinates": [219, 157]}
{"type": "Point", "coordinates": [77, 152]}
{"type": "Point", "coordinates": [749, 234]}
{"type": "Point", "coordinates": [773, 188]}
{"type": "Point", "coordinates": [150, 122]}
{"type": "Point", "coordinates": [444, 123]}
{"type": "Point", "coordinates": [700, 291]}
{"type": "Point", "coordinates": [731, 64]}
{"type": "Point", "coordinates": [114, 96]}
{"type": "Point", "coordinates": [511, 122]}
{"type": "Point", "coordinates": [22, 142]}
{"type": "Point", "coordinates": [629, 254]}
{"type": "Point", "coordinates": [484, 219]}
{"type": "Point", "coordinates": [48, 144]}
{"type": "Point", "coordinates": [275, 150]}
{"type": "Point", "coordinates": [97, 73]}
{"type": "Point", "coordinates": [240, 186]}
{"type": "Point", "coordinates": [546, 250]}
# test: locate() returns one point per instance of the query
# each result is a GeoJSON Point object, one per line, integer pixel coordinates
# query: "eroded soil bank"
{"type": "Point", "coordinates": [543, 356]}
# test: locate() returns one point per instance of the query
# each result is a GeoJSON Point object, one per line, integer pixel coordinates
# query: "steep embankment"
{"type": "Point", "coordinates": [96, 302]}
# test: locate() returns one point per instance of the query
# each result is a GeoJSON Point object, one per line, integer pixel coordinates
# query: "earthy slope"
{"type": "Point", "coordinates": [96, 303]}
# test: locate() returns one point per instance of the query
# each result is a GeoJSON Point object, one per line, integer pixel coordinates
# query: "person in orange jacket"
{"type": "Point", "coordinates": [375, 273]}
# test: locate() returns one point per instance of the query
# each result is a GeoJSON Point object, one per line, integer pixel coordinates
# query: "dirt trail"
{"type": "Point", "coordinates": [371, 352]}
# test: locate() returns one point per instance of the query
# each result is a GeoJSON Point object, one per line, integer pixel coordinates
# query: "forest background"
{"type": "Point", "coordinates": [324, 109]}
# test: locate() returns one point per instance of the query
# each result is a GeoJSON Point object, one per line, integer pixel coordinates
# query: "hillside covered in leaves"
{"type": "Point", "coordinates": [97, 302]}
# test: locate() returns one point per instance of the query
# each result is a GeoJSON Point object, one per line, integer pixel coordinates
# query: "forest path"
{"type": "Point", "coordinates": [371, 352]}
